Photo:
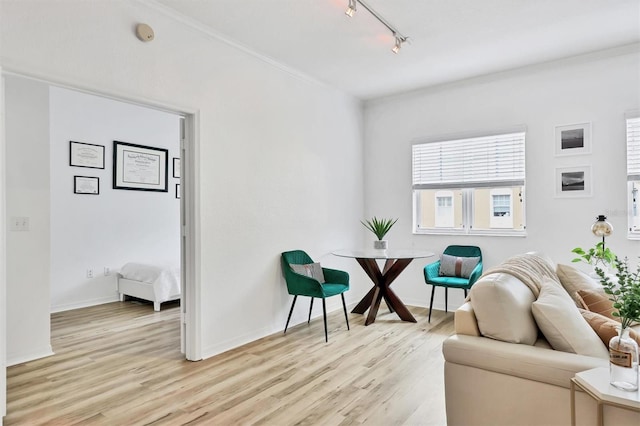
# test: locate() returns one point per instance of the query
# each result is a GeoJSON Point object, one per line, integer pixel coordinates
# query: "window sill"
{"type": "Point", "coordinates": [484, 233]}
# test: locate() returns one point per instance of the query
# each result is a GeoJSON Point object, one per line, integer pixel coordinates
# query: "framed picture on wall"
{"type": "Point", "coordinates": [573, 182]}
{"type": "Point", "coordinates": [86, 155]}
{"type": "Point", "coordinates": [177, 190]}
{"type": "Point", "coordinates": [86, 185]}
{"type": "Point", "coordinates": [573, 139]}
{"type": "Point", "coordinates": [176, 167]}
{"type": "Point", "coordinates": [140, 167]}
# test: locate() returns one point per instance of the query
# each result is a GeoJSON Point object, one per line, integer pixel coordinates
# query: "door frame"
{"type": "Point", "coordinates": [189, 208]}
{"type": "Point", "coordinates": [3, 257]}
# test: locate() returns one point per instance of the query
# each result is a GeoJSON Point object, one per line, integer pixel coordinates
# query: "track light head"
{"type": "Point", "coordinates": [398, 45]}
{"type": "Point", "coordinates": [351, 10]}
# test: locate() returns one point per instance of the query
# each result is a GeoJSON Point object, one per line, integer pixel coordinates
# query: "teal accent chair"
{"type": "Point", "coordinates": [432, 274]}
{"type": "Point", "coordinates": [336, 282]}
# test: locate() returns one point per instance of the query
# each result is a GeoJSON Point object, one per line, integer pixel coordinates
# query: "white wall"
{"type": "Point", "coordinates": [117, 226]}
{"type": "Point", "coordinates": [597, 88]}
{"type": "Point", "coordinates": [280, 155]}
{"type": "Point", "coordinates": [28, 195]}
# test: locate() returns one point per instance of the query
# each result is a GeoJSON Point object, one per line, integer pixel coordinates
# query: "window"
{"type": "Point", "coordinates": [633, 175]}
{"type": "Point", "coordinates": [470, 186]}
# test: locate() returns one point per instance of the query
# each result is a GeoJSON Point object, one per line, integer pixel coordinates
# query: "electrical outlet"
{"type": "Point", "coordinates": [107, 271]}
{"type": "Point", "coordinates": [19, 223]}
{"type": "Point", "coordinates": [89, 273]}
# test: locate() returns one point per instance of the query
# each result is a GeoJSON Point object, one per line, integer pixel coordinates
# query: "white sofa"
{"type": "Point", "coordinates": [495, 381]}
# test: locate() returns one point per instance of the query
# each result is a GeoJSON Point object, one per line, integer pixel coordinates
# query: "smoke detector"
{"type": "Point", "coordinates": [144, 32]}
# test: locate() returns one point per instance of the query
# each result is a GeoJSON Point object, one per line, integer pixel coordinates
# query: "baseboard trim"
{"type": "Point", "coordinates": [22, 358]}
{"type": "Point", "coordinates": [238, 341]}
{"type": "Point", "coordinates": [84, 304]}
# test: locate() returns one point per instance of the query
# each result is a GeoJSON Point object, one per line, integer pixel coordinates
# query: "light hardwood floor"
{"type": "Point", "coordinates": [120, 364]}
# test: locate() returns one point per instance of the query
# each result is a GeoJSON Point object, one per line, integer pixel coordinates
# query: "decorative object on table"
{"type": "Point", "coordinates": [304, 277]}
{"type": "Point", "coordinates": [573, 182]}
{"type": "Point", "coordinates": [623, 350]}
{"type": "Point", "coordinates": [86, 185]}
{"type": "Point", "coordinates": [459, 267]}
{"type": "Point", "coordinates": [88, 155]}
{"type": "Point", "coordinates": [573, 139]}
{"type": "Point", "coordinates": [599, 255]}
{"type": "Point", "coordinates": [176, 167]}
{"type": "Point", "coordinates": [601, 228]}
{"type": "Point", "coordinates": [379, 227]}
{"type": "Point", "coordinates": [139, 167]}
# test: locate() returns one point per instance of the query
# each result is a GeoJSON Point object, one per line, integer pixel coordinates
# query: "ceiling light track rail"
{"type": "Point", "coordinates": [399, 37]}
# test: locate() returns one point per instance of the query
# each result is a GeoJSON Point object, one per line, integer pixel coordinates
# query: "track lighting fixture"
{"type": "Point", "coordinates": [351, 10]}
{"type": "Point", "coordinates": [399, 38]}
{"type": "Point", "coordinates": [398, 45]}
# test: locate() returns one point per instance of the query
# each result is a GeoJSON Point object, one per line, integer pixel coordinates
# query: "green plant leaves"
{"type": "Point", "coordinates": [598, 254]}
{"type": "Point", "coordinates": [379, 227]}
{"type": "Point", "coordinates": [625, 293]}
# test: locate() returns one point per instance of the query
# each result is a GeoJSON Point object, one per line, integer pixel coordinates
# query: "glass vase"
{"type": "Point", "coordinates": [623, 361]}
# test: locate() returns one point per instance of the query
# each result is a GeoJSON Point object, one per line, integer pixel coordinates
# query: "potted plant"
{"type": "Point", "coordinates": [597, 256]}
{"type": "Point", "coordinates": [625, 295]}
{"type": "Point", "coordinates": [379, 227]}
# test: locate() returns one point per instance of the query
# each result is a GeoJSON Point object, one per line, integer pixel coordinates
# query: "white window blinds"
{"type": "Point", "coordinates": [486, 161]}
{"type": "Point", "coordinates": [633, 148]}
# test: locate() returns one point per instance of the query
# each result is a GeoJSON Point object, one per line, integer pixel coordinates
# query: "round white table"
{"type": "Point", "coordinates": [395, 262]}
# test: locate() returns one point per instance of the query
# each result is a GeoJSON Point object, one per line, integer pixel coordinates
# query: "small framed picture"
{"type": "Point", "coordinates": [573, 182]}
{"type": "Point", "coordinates": [86, 155]}
{"type": "Point", "coordinates": [573, 139]}
{"type": "Point", "coordinates": [86, 185]}
{"type": "Point", "coordinates": [177, 190]}
{"type": "Point", "coordinates": [176, 167]}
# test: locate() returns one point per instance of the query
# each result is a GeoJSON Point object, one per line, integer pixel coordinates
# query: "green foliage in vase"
{"type": "Point", "coordinates": [598, 255]}
{"type": "Point", "coordinates": [379, 227]}
{"type": "Point", "coordinates": [625, 294]}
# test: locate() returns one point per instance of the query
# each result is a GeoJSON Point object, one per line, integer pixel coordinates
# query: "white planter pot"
{"type": "Point", "coordinates": [380, 244]}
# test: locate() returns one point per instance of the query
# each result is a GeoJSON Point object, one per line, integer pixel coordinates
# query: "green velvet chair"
{"type": "Point", "coordinates": [432, 274]}
{"type": "Point", "coordinates": [336, 282]}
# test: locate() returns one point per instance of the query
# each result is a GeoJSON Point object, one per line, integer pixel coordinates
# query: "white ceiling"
{"type": "Point", "coordinates": [450, 39]}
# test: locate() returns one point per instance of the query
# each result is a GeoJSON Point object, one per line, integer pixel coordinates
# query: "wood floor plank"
{"type": "Point", "coordinates": [120, 364]}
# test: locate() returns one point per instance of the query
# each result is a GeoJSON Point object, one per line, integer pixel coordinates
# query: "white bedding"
{"type": "Point", "coordinates": [165, 280]}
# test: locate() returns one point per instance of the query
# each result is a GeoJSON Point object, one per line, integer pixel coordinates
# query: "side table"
{"type": "Point", "coordinates": [595, 383]}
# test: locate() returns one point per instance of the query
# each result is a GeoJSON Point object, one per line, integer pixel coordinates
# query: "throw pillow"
{"type": "Point", "coordinates": [605, 327]}
{"type": "Point", "coordinates": [596, 301]}
{"type": "Point", "coordinates": [453, 266]}
{"type": "Point", "coordinates": [502, 306]}
{"type": "Point", "coordinates": [562, 325]}
{"type": "Point", "coordinates": [573, 280]}
{"type": "Point", "coordinates": [313, 270]}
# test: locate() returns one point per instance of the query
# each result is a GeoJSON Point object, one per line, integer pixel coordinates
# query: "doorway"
{"type": "Point", "coordinates": [186, 233]}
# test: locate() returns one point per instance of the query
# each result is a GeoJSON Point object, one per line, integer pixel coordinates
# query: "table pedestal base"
{"type": "Point", "coordinates": [382, 280]}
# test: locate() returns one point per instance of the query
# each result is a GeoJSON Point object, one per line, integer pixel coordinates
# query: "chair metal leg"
{"type": "Point", "coordinates": [290, 312]}
{"type": "Point", "coordinates": [324, 315]}
{"type": "Point", "coordinates": [446, 299]}
{"type": "Point", "coordinates": [344, 306]}
{"type": "Point", "coordinates": [433, 290]}
{"type": "Point", "coordinates": [310, 308]}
